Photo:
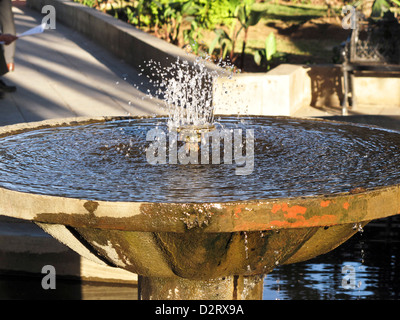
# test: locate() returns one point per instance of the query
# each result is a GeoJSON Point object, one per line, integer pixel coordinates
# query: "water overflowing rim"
{"type": "Point", "coordinates": [232, 216]}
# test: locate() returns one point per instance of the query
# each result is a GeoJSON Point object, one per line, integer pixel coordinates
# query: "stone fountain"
{"type": "Point", "coordinates": [199, 230]}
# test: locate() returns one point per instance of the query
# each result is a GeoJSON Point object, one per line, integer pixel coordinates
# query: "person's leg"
{"type": "Point", "coordinates": [3, 70]}
{"type": "Point", "coordinates": [7, 26]}
{"type": "Point", "coordinates": [3, 64]}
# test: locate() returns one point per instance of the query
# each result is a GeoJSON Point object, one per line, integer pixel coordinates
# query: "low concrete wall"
{"type": "Point", "coordinates": [282, 91]}
{"type": "Point", "coordinates": [287, 88]}
{"type": "Point", "coordinates": [377, 89]}
{"type": "Point", "coordinates": [371, 89]}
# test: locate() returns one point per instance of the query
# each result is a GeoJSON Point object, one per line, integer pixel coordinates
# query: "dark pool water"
{"type": "Point", "coordinates": [372, 256]}
{"type": "Point", "coordinates": [292, 157]}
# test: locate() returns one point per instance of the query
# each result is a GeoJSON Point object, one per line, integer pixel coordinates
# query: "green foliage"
{"type": "Point", "coordinates": [270, 46]}
{"type": "Point", "coordinates": [379, 8]}
{"type": "Point", "coordinates": [266, 56]}
{"type": "Point", "coordinates": [183, 22]}
{"type": "Point", "coordinates": [166, 18]}
{"type": "Point", "coordinates": [239, 17]}
{"type": "Point", "coordinates": [91, 3]}
{"type": "Point", "coordinates": [224, 41]}
{"type": "Point", "coordinates": [246, 16]}
{"type": "Point", "coordinates": [263, 56]}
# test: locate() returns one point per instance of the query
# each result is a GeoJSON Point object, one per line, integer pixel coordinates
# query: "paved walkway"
{"type": "Point", "coordinates": [60, 73]}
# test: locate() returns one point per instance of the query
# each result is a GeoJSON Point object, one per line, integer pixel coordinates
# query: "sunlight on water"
{"type": "Point", "coordinates": [327, 277]}
{"type": "Point", "coordinates": [320, 280]}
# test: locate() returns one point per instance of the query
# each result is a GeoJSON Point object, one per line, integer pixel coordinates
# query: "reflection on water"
{"type": "Point", "coordinates": [373, 257]}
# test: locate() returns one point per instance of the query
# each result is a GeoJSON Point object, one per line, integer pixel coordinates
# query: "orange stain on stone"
{"type": "Point", "coordinates": [238, 210]}
{"type": "Point", "coordinates": [346, 205]}
{"type": "Point", "coordinates": [294, 216]}
{"type": "Point", "coordinates": [276, 208]}
{"type": "Point", "coordinates": [325, 203]}
{"type": "Point", "coordinates": [294, 212]}
{"type": "Point", "coordinates": [291, 212]}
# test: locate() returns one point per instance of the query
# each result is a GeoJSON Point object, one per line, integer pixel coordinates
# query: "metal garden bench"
{"type": "Point", "coordinates": [374, 46]}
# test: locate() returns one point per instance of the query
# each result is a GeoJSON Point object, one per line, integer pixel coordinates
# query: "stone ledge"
{"type": "Point", "coordinates": [281, 91]}
{"type": "Point", "coordinates": [288, 89]}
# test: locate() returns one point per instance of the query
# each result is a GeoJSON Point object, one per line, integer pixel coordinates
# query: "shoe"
{"type": "Point", "coordinates": [11, 66]}
{"type": "Point", "coordinates": [6, 88]}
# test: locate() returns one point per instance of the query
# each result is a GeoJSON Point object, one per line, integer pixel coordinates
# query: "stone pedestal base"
{"type": "Point", "coordinates": [226, 288]}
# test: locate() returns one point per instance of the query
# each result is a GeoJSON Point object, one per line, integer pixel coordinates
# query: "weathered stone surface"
{"type": "Point", "coordinates": [226, 288]}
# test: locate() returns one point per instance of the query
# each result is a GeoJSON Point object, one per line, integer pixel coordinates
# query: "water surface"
{"type": "Point", "coordinates": [107, 161]}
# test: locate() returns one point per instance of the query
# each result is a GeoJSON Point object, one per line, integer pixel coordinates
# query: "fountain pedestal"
{"type": "Point", "coordinates": [199, 265]}
{"type": "Point", "coordinates": [225, 288]}
{"type": "Point", "coordinates": [199, 249]}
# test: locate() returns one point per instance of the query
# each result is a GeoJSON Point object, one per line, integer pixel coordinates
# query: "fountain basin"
{"type": "Point", "coordinates": [210, 250]}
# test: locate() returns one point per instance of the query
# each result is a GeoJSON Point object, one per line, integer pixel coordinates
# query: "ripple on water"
{"type": "Point", "coordinates": [107, 161]}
